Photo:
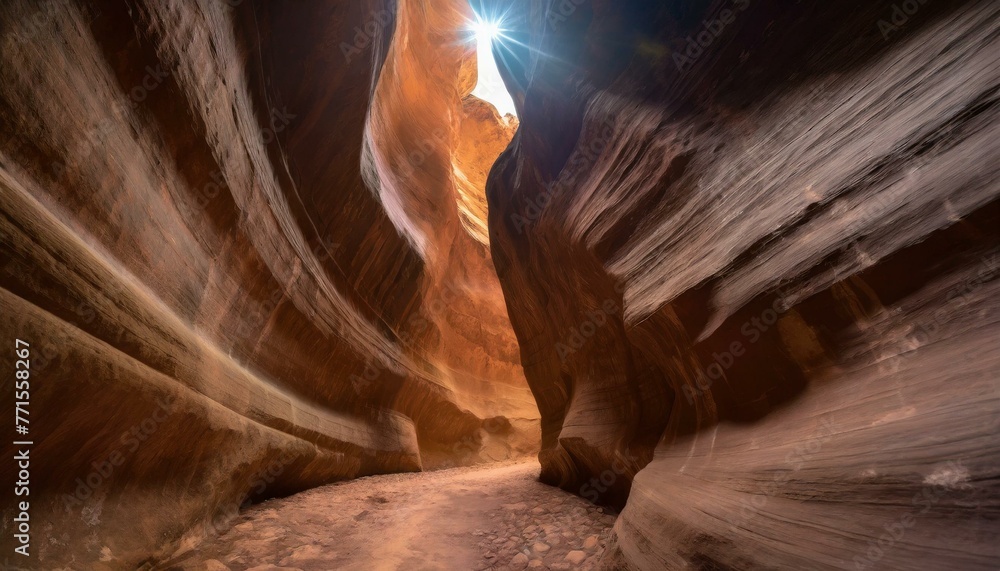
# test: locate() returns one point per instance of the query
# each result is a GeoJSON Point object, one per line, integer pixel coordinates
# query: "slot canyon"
{"type": "Point", "coordinates": [483, 284]}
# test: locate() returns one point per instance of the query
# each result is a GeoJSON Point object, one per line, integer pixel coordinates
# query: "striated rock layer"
{"type": "Point", "coordinates": [750, 254]}
{"type": "Point", "coordinates": [202, 247]}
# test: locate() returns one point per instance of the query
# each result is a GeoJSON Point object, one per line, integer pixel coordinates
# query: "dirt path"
{"type": "Point", "coordinates": [492, 517]}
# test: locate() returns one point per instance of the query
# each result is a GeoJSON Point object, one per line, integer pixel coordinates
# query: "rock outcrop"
{"type": "Point", "coordinates": [201, 244]}
{"type": "Point", "coordinates": [750, 254]}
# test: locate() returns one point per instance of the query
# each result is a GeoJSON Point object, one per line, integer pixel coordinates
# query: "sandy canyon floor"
{"type": "Point", "coordinates": [496, 516]}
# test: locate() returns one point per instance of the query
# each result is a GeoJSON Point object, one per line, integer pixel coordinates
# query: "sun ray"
{"type": "Point", "coordinates": [490, 86]}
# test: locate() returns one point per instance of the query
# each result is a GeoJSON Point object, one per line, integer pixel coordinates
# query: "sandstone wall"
{"type": "Point", "coordinates": [754, 279]}
{"type": "Point", "coordinates": [220, 303]}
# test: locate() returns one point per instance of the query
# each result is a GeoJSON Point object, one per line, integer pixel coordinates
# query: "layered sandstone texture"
{"type": "Point", "coordinates": [749, 250]}
{"type": "Point", "coordinates": [235, 235]}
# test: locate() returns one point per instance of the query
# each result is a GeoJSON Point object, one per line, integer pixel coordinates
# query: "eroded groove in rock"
{"type": "Point", "coordinates": [220, 309]}
{"type": "Point", "coordinates": [755, 289]}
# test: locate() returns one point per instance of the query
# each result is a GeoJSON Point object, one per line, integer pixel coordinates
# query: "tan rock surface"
{"type": "Point", "coordinates": [755, 289]}
{"type": "Point", "coordinates": [220, 304]}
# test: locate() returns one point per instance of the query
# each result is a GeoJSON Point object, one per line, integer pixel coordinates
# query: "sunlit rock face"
{"type": "Point", "coordinates": [750, 254]}
{"type": "Point", "coordinates": [202, 245]}
{"type": "Point", "coordinates": [483, 136]}
{"type": "Point", "coordinates": [418, 139]}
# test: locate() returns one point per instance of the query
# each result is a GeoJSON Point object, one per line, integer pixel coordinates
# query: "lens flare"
{"type": "Point", "coordinates": [490, 86]}
{"type": "Point", "coordinates": [486, 31]}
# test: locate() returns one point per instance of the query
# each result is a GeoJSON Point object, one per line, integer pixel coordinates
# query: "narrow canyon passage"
{"type": "Point", "coordinates": [496, 516]}
{"type": "Point", "coordinates": [706, 285]}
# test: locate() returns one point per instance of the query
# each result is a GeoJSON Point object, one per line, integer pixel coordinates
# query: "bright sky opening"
{"type": "Point", "coordinates": [490, 86]}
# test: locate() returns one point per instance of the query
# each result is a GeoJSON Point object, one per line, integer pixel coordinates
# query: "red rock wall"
{"type": "Point", "coordinates": [220, 302]}
{"type": "Point", "coordinates": [754, 280]}
{"type": "Point", "coordinates": [416, 132]}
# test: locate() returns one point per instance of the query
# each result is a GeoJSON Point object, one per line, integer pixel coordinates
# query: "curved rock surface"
{"type": "Point", "coordinates": [200, 245]}
{"type": "Point", "coordinates": [750, 254]}
{"type": "Point", "coordinates": [747, 260]}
